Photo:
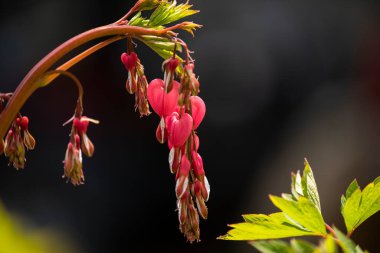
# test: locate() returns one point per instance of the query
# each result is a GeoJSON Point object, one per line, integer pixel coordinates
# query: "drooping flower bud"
{"type": "Point", "coordinates": [29, 141]}
{"type": "Point", "coordinates": [174, 159]}
{"type": "Point", "coordinates": [73, 165]}
{"type": "Point", "coordinates": [197, 165]}
{"type": "Point", "coordinates": [81, 126]}
{"type": "Point", "coordinates": [87, 146]}
{"type": "Point", "coordinates": [179, 128]}
{"type": "Point", "coordinates": [170, 67]}
{"type": "Point", "coordinates": [197, 192]}
{"type": "Point", "coordinates": [14, 149]}
{"type": "Point", "coordinates": [161, 132]}
{"type": "Point", "coordinates": [130, 63]}
{"type": "Point", "coordinates": [198, 110]}
{"type": "Point", "coordinates": [190, 228]}
{"type": "Point", "coordinates": [129, 60]}
{"type": "Point", "coordinates": [182, 207]}
{"type": "Point", "coordinates": [182, 177]}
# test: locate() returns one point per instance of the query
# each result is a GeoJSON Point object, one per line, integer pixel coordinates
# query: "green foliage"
{"type": "Point", "coordinates": [296, 246]}
{"type": "Point", "coordinates": [357, 206]}
{"type": "Point", "coordinates": [347, 245]}
{"type": "Point", "coordinates": [260, 226]}
{"type": "Point", "coordinates": [301, 216]}
{"type": "Point", "coordinates": [165, 12]}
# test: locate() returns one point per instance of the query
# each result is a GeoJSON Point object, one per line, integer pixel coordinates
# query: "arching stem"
{"type": "Point", "coordinates": [34, 79]}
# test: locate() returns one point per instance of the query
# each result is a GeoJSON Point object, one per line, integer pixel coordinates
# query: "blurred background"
{"type": "Point", "coordinates": [282, 80]}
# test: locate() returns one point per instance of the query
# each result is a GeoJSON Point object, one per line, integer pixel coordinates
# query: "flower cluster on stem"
{"type": "Point", "coordinates": [181, 111]}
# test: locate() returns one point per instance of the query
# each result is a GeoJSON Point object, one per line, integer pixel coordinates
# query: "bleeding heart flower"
{"type": "Point", "coordinates": [162, 103]}
{"type": "Point", "coordinates": [198, 110]}
{"type": "Point", "coordinates": [179, 128]}
{"type": "Point", "coordinates": [129, 60]}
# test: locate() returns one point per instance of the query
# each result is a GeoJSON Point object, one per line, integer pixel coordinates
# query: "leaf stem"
{"type": "Point", "coordinates": [331, 230]}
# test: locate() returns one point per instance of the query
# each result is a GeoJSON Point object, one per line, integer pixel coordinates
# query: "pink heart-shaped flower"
{"type": "Point", "coordinates": [198, 110]}
{"type": "Point", "coordinates": [163, 103]}
{"type": "Point", "coordinates": [179, 128]}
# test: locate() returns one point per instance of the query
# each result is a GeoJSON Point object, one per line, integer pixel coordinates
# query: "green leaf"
{"type": "Point", "coordinates": [277, 246]}
{"type": "Point", "coordinates": [303, 211]}
{"type": "Point", "coordinates": [272, 246]}
{"type": "Point", "coordinates": [296, 186]}
{"type": "Point", "coordinates": [260, 227]}
{"type": "Point", "coordinates": [169, 12]}
{"type": "Point", "coordinates": [358, 206]}
{"type": "Point", "coordinates": [347, 245]}
{"type": "Point", "coordinates": [309, 186]}
{"type": "Point", "coordinates": [301, 246]}
{"type": "Point", "coordinates": [163, 47]}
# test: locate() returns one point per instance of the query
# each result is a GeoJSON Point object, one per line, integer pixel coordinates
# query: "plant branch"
{"type": "Point", "coordinates": [49, 78]}
{"type": "Point", "coordinates": [31, 81]}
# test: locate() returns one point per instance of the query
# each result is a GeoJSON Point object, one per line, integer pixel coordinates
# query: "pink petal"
{"type": "Point", "coordinates": [198, 110]}
{"type": "Point", "coordinates": [179, 129]}
{"type": "Point", "coordinates": [162, 103]}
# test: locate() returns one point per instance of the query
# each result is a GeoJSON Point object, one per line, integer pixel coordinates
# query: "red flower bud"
{"type": "Point", "coordinates": [23, 122]}
{"type": "Point", "coordinates": [161, 132]}
{"type": "Point", "coordinates": [172, 64]}
{"type": "Point", "coordinates": [202, 208]}
{"type": "Point", "coordinates": [197, 165]}
{"type": "Point", "coordinates": [87, 146]}
{"type": "Point", "coordinates": [129, 60]}
{"type": "Point", "coordinates": [182, 177]}
{"type": "Point", "coordinates": [174, 159]}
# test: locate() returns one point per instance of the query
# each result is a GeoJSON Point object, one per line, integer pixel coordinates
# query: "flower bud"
{"type": "Point", "coordinates": [182, 177]}
{"type": "Point", "coordinates": [202, 208]}
{"type": "Point", "coordinates": [174, 159]}
{"type": "Point", "coordinates": [129, 60]}
{"type": "Point", "coordinates": [161, 132]}
{"type": "Point", "coordinates": [87, 146]}
{"type": "Point", "coordinates": [197, 165]}
{"type": "Point", "coordinates": [73, 165]}
{"type": "Point", "coordinates": [29, 140]}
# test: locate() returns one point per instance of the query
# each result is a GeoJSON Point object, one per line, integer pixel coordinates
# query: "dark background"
{"type": "Point", "coordinates": [281, 80]}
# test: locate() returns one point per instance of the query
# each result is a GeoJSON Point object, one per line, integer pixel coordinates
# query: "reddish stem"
{"type": "Point", "coordinates": [32, 81]}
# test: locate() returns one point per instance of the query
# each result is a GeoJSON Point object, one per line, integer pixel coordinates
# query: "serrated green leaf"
{"type": "Point", "coordinates": [303, 212]}
{"type": "Point", "coordinates": [163, 47]}
{"type": "Point", "coordinates": [352, 188]}
{"type": "Point", "coordinates": [347, 245]}
{"type": "Point", "coordinates": [360, 205]}
{"type": "Point", "coordinates": [298, 184]}
{"type": "Point", "coordinates": [309, 186]}
{"type": "Point", "coordinates": [277, 246]}
{"type": "Point", "coordinates": [272, 246]}
{"type": "Point", "coordinates": [169, 12]}
{"type": "Point", "coordinates": [288, 196]}
{"type": "Point", "coordinates": [261, 226]}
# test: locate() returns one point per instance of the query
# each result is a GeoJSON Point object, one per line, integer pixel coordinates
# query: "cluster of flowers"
{"type": "Point", "coordinates": [17, 139]}
{"type": "Point", "coordinates": [79, 143]}
{"type": "Point", "coordinates": [181, 111]}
